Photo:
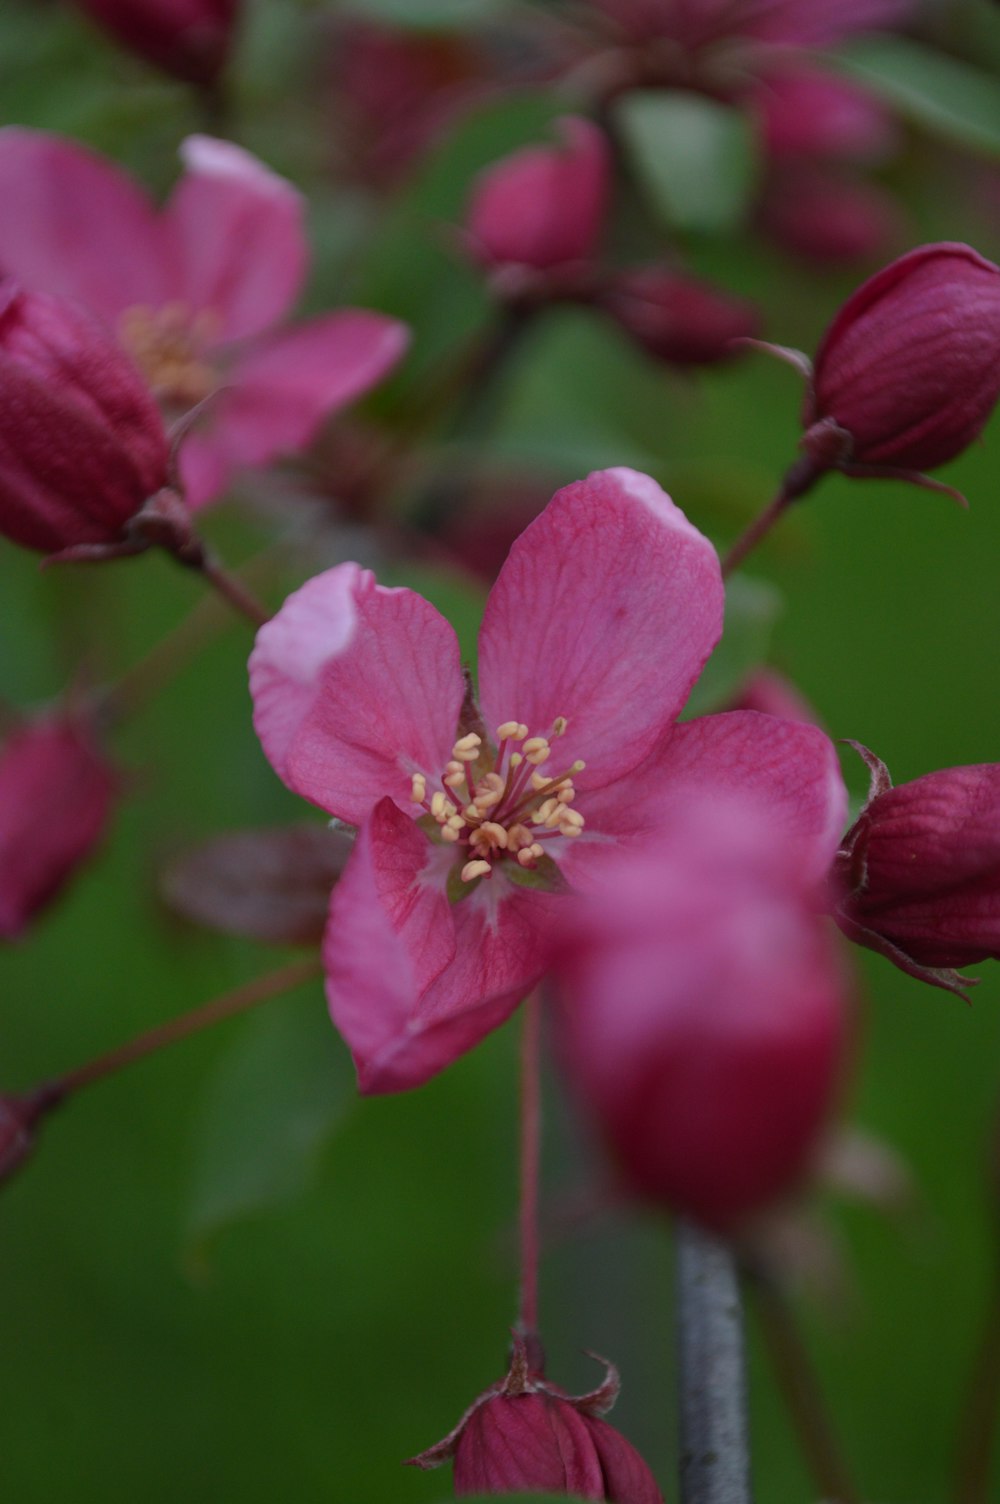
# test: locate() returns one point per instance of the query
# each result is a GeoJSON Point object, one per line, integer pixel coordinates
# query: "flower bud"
{"type": "Point", "coordinates": [921, 868]}
{"type": "Point", "coordinates": [190, 39]}
{"type": "Point", "coordinates": [16, 1135]}
{"type": "Point", "coordinates": [703, 1025]}
{"type": "Point", "coordinates": [829, 218]}
{"type": "Point", "coordinates": [82, 445]}
{"type": "Point", "coordinates": [57, 791]}
{"type": "Point", "coordinates": [542, 209]}
{"type": "Point", "coordinates": [805, 112]}
{"type": "Point", "coordinates": [909, 371]}
{"type": "Point", "coordinates": [525, 1435]}
{"type": "Point", "coordinates": [678, 319]}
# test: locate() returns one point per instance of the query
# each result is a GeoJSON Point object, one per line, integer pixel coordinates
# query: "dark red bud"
{"type": "Point", "coordinates": [922, 872]}
{"type": "Point", "coordinates": [676, 318]}
{"type": "Point", "coordinates": [82, 444]}
{"type": "Point", "coordinates": [57, 792]}
{"type": "Point", "coordinates": [910, 366]}
{"type": "Point", "coordinates": [190, 39]}
{"type": "Point", "coordinates": [830, 218]}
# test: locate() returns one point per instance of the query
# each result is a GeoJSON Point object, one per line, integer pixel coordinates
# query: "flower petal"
{"type": "Point", "coordinates": [283, 388]}
{"type": "Point", "coordinates": [238, 236]}
{"type": "Point", "coordinates": [787, 770]}
{"type": "Point", "coordinates": [355, 687]}
{"type": "Point", "coordinates": [75, 224]}
{"type": "Point", "coordinates": [605, 611]}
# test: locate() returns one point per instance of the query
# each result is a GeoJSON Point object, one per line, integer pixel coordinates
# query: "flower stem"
{"type": "Point", "coordinates": [800, 478]}
{"type": "Point", "coordinates": [981, 1412]}
{"type": "Point", "coordinates": [531, 1133]}
{"type": "Point", "coordinates": [800, 1388]}
{"type": "Point", "coordinates": [232, 590]}
{"type": "Point", "coordinates": [714, 1441]}
{"type": "Point", "coordinates": [51, 1093]}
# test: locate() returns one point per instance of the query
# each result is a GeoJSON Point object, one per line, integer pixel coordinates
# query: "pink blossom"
{"type": "Point", "coordinates": [703, 1021]}
{"type": "Point", "coordinates": [542, 209]}
{"type": "Point", "coordinates": [57, 793]}
{"type": "Point", "coordinates": [188, 38]}
{"type": "Point", "coordinates": [473, 820]}
{"type": "Point", "coordinates": [804, 111]}
{"type": "Point", "coordinates": [197, 293]}
{"type": "Point", "coordinates": [678, 318]}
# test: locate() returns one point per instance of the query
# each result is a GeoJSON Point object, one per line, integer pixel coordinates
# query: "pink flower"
{"type": "Point", "coordinates": [803, 23]}
{"type": "Point", "coordinates": [702, 1023]}
{"type": "Point", "coordinates": [921, 872]}
{"type": "Point", "coordinates": [542, 209]}
{"type": "Point", "coordinates": [471, 820]}
{"type": "Point", "coordinates": [525, 1434]}
{"type": "Point", "coordinates": [806, 112]}
{"type": "Point", "coordinates": [82, 446]}
{"type": "Point", "coordinates": [188, 38]}
{"type": "Point", "coordinates": [196, 292]}
{"type": "Point", "coordinates": [57, 793]}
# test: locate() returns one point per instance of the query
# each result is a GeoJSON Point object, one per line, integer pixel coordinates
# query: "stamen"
{"type": "Point", "coordinates": [512, 731]}
{"type": "Point", "coordinates": [418, 788]}
{"type": "Point", "coordinates": [529, 855]}
{"type": "Point", "coordinates": [456, 822]}
{"type": "Point", "coordinates": [449, 835]}
{"type": "Point", "coordinates": [475, 869]}
{"type": "Point", "coordinates": [559, 725]}
{"type": "Point", "coordinates": [466, 749]}
{"type": "Point", "coordinates": [519, 837]}
{"type": "Point", "coordinates": [440, 805]}
{"type": "Point", "coordinates": [537, 750]}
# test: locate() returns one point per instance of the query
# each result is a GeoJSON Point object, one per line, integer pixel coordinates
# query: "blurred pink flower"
{"type": "Point", "coordinates": [197, 293]}
{"type": "Point", "coordinates": [703, 1022]}
{"type": "Point", "coordinates": [677, 318]}
{"type": "Point", "coordinates": [828, 216]}
{"type": "Point", "coordinates": [542, 210]}
{"type": "Point", "coordinates": [57, 793]}
{"type": "Point", "coordinates": [593, 635]}
{"type": "Point", "coordinates": [189, 38]}
{"type": "Point", "coordinates": [803, 23]}
{"type": "Point", "coordinates": [803, 111]}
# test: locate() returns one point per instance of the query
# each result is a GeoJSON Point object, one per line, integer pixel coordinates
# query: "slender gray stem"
{"type": "Point", "coordinates": [714, 1439]}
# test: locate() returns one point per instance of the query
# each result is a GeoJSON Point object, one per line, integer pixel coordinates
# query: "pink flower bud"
{"type": "Point", "coordinates": [828, 217]}
{"type": "Point", "coordinates": [909, 371]}
{"type": "Point", "coordinates": [57, 791]}
{"type": "Point", "coordinates": [17, 1138]}
{"type": "Point", "coordinates": [703, 1021]}
{"type": "Point", "coordinates": [189, 38]}
{"type": "Point", "coordinates": [922, 872]}
{"type": "Point", "coordinates": [677, 318]}
{"type": "Point", "coordinates": [544, 207]}
{"type": "Point", "coordinates": [82, 445]}
{"type": "Point", "coordinates": [525, 1435]}
{"type": "Point", "coordinates": [805, 112]}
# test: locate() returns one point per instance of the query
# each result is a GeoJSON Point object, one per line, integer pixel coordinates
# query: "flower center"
{"type": "Point", "coordinates": [167, 344]}
{"type": "Point", "coordinates": [502, 805]}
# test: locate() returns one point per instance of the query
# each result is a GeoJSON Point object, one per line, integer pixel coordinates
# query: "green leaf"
{"type": "Point", "coordinates": [752, 608]}
{"type": "Point", "coordinates": [695, 157]}
{"type": "Point", "coordinates": [948, 98]}
{"type": "Point", "coordinates": [273, 1104]}
{"type": "Point", "coordinates": [530, 1498]}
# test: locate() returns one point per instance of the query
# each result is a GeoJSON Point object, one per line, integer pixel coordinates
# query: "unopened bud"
{"type": "Point", "coordinates": [187, 38]}
{"type": "Point", "coordinates": [678, 319]}
{"type": "Point", "coordinates": [82, 445]}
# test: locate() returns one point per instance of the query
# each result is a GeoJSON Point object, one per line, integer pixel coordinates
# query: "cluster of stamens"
{"type": "Point", "coordinates": [505, 810]}
{"type": "Point", "coordinates": [166, 345]}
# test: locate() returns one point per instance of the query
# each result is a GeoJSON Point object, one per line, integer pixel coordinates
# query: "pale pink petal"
{"type": "Point", "coordinates": [205, 467]}
{"type": "Point", "coordinates": [355, 687]}
{"type": "Point", "coordinates": [390, 932]}
{"type": "Point", "coordinates": [279, 394]}
{"type": "Point", "coordinates": [73, 223]}
{"type": "Point", "coordinates": [238, 236]}
{"type": "Point", "coordinates": [785, 770]}
{"type": "Point", "coordinates": [605, 611]}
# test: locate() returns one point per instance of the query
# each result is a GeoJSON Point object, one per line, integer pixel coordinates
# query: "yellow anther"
{"type": "Point", "coordinates": [511, 731]}
{"type": "Point", "coordinates": [494, 833]}
{"type": "Point", "coordinates": [475, 869]}
{"type": "Point", "coordinates": [566, 794]}
{"type": "Point", "coordinates": [530, 855]}
{"type": "Point", "coordinates": [518, 837]}
{"type": "Point", "coordinates": [567, 817]}
{"type": "Point", "coordinates": [556, 817]}
{"type": "Point", "coordinates": [538, 781]}
{"type": "Point", "coordinates": [516, 759]}
{"type": "Point", "coordinates": [541, 815]}
{"type": "Point", "coordinates": [571, 830]}
{"type": "Point", "coordinates": [456, 822]}
{"type": "Point", "coordinates": [418, 788]}
{"type": "Point", "coordinates": [486, 799]}
{"type": "Point", "coordinates": [440, 805]}
{"type": "Point", "coordinates": [492, 781]}
{"type": "Point", "coordinates": [537, 750]}
{"type": "Point", "coordinates": [454, 780]}
{"type": "Point", "coordinates": [466, 749]}
{"type": "Point", "coordinates": [559, 725]}
{"type": "Point", "coordinates": [449, 835]}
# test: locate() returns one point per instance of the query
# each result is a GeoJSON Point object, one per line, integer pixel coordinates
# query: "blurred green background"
{"type": "Point", "coordinates": [225, 1277]}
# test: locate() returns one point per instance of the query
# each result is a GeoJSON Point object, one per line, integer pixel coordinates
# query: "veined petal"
{"type": "Point", "coordinates": [281, 390]}
{"type": "Point", "coordinates": [785, 770]}
{"type": "Point", "coordinates": [355, 687]}
{"type": "Point", "coordinates": [501, 953]}
{"type": "Point", "coordinates": [605, 611]}
{"type": "Point", "coordinates": [75, 224]}
{"type": "Point", "coordinates": [238, 237]}
{"type": "Point", "coordinates": [390, 932]}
